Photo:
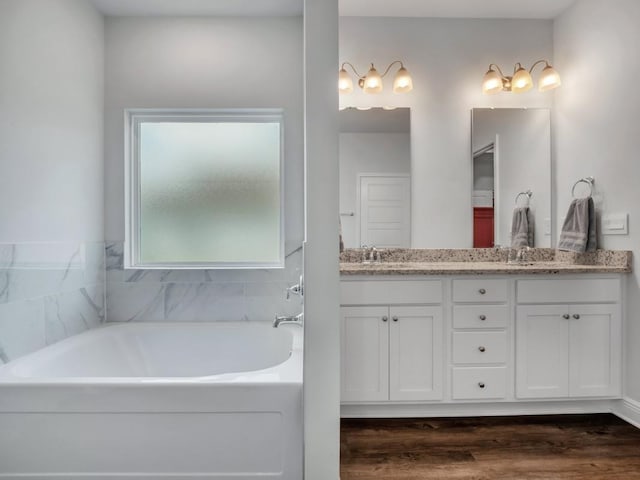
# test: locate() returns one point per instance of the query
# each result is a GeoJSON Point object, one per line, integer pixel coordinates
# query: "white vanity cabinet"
{"type": "Point", "coordinates": [568, 349]}
{"type": "Point", "coordinates": [480, 344]}
{"type": "Point", "coordinates": [391, 341]}
{"type": "Point", "coordinates": [479, 339]}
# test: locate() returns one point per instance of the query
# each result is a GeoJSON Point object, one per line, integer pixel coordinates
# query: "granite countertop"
{"type": "Point", "coordinates": [483, 262]}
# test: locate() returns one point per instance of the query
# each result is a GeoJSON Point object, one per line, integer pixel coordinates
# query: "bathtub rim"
{"type": "Point", "coordinates": [287, 372]}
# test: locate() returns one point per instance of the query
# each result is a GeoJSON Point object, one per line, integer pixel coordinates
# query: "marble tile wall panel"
{"type": "Point", "coordinates": [198, 295]}
{"type": "Point", "coordinates": [48, 291]}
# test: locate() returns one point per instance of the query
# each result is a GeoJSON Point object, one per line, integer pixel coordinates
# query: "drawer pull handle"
{"type": "Point", "coordinates": [385, 318]}
{"type": "Point", "coordinates": [395, 319]}
{"type": "Point", "coordinates": [481, 384]}
{"type": "Point", "coordinates": [482, 349]}
{"type": "Point", "coordinates": [565, 316]}
{"type": "Point", "coordinates": [483, 317]}
{"type": "Point", "coordinates": [576, 316]}
{"type": "Point", "coordinates": [482, 291]}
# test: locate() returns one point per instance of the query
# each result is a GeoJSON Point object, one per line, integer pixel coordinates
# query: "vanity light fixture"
{"type": "Point", "coordinates": [495, 81]}
{"type": "Point", "coordinates": [372, 81]}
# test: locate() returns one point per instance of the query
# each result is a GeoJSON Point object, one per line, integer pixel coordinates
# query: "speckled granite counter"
{"type": "Point", "coordinates": [483, 262]}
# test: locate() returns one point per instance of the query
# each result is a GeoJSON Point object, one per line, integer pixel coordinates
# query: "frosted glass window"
{"type": "Point", "coordinates": [205, 190]}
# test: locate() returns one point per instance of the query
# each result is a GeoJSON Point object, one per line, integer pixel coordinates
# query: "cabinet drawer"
{"type": "Point", "coordinates": [479, 383]}
{"type": "Point", "coordinates": [479, 347]}
{"type": "Point", "coordinates": [480, 316]}
{"type": "Point", "coordinates": [480, 291]}
{"type": "Point", "coordinates": [569, 291]}
{"type": "Point", "coordinates": [384, 292]}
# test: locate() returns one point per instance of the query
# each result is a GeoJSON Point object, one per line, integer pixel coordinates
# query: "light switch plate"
{"type": "Point", "coordinates": [615, 224]}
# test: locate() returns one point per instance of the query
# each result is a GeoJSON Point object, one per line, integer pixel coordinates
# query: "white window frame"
{"type": "Point", "coordinates": [133, 118]}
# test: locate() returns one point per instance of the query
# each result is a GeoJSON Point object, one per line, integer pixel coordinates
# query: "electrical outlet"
{"type": "Point", "coordinates": [615, 224]}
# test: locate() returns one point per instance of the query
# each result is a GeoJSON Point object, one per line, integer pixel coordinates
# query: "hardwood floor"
{"type": "Point", "coordinates": [585, 447]}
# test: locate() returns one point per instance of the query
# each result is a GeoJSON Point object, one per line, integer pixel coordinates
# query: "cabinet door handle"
{"type": "Point", "coordinates": [565, 316]}
{"type": "Point", "coordinates": [481, 384]}
{"type": "Point", "coordinates": [482, 349]}
{"type": "Point", "coordinates": [395, 319]}
{"type": "Point", "coordinates": [576, 316]}
{"type": "Point", "coordinates": [482, 291]}
{"type": "Point", "coordinates": [385, 318]}
{"type": "Point", "coordinates": [483, 317]}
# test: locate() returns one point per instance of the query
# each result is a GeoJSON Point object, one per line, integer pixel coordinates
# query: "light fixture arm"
{"type": "Point", "coordinates": [537, 63]}
{"type": "Point", "coordinates": [497, 68]}
{"type": "Point", "coordinates": [391, 65]}
{"type": "Point", "coordinates": [352, 68]}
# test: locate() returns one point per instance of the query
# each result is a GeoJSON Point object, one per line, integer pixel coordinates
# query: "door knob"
{"type": "Point", "coordinates": [481, 384]}
{"type": "Point", "coordinates": [395, 319]}
{"type": "Point", "coordinates": [483, 317]}
{"type": "Point", "coordinates": [482, 349]}
{"type": "Point", "coordinates": [576, 316]}
{"type": "Point", "coordinates": [385, 318]}
{"type": "Point", "coordinates": [482, 291]}
{"type": "Point", "coordinates": [565, 316]}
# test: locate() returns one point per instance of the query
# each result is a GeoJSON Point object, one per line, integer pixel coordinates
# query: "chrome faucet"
{"type": "Point", "coordinates": [297, 289]}
{"type": "Point", "coordinates": [370, 254]}
{"type": "Point", "coordinates": [295, 320]}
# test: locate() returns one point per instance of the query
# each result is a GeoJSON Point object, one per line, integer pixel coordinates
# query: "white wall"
{"type": "Point", "coordinates": [51, 121]}
{"type": "Point", "coordinates": [597, 125]}
{"type": "Point", "coordinates": [203, 63]}
{"type": "Point", "coordinates": [523, 156]}
{"type": "Point", "coordinates": [367, 153]}
{"type": "Point", "coordinates": [51, 172]}
{"type": "Point", "coordinates": [206, 62]}
{"type": "Point", "coordinates": [447, 60]}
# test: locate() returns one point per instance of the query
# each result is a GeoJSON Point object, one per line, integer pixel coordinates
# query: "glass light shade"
{"type": "Point", "coordinates": [345, 83]}
{"type": "Point", "coordinates": [549, 79]}
{"type": "Point", "coordinates": [402, 83]}
{"type": "Point", "coordinates": [521, 81]}
{"type": "Point", "coordinates": [372, 82]}
{"type": "Point", "coordinates": [492, 83]}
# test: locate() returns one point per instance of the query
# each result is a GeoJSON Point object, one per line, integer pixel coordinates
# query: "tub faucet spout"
{"type": "Point", "coordinates": [296, 320]}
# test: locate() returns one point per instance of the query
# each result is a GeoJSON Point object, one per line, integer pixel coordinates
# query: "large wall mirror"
{"type": "Point", "coordinates": [511, 165]}
{"type": "Point", "coordinates": [375, 177]}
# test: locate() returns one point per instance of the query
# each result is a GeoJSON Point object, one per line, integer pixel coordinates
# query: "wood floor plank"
{"type": "Point", "coordinates": [566, 447]}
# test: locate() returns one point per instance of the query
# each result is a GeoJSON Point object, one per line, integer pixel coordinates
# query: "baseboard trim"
{"type": "Point", "coordinates": [479, 409]}
{"type": "Point", "coordinates": [628, 410]}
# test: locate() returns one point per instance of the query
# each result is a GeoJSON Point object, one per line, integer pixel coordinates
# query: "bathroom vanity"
{"type": "Point", "coordinates": [463, 332]}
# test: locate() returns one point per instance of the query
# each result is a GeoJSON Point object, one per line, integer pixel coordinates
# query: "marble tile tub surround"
{"type": "Point", "coordinates": [199, 295]}
{"type": "Point", "coordinates": [48, 291]}
{"type": "Point", "coordinates": [610, 258]}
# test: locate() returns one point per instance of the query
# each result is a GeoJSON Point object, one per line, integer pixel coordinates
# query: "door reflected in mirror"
{"type": "Point", "coordinates": [375, 177]}
{"type": "Point", "coordinates": [511, 165]}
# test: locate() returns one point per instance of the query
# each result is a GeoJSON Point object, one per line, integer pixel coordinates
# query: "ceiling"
{"type": "Point", "coordinates": [178, 8]}
{"type": "Point", "coordinates": [373, 8]}
{"type": "Point", "coordinates": [455, 8]}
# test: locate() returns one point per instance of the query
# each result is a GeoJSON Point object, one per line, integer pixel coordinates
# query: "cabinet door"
{"type": "Point", "coordinates": [595, 349]}
{"type": "Point", "coordinates": [415, 353]}
{"type": "Point", "coordinates": [365, 354]}
{"type": "Point", "coordinates": [542, 351]}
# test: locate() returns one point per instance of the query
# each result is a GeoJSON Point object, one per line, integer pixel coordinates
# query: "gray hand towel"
{"type": "Point", "coordinates": [522, 234]}
{"type": "Point", "coordinates": [579, 228]}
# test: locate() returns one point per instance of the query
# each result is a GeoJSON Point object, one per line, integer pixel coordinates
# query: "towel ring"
{"type": "Point", "coordinates": [589, 181]}
{"type": "Point", "coordinates": [528, 194]}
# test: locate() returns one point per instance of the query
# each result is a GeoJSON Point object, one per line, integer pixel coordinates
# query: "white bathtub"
{"type": "Point", "coordinates": [162, 401]}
